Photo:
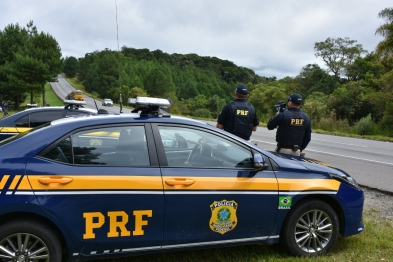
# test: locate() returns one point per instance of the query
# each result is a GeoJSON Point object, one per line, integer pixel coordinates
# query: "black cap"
{"type": "Point", "coordinates": [295, 98]}
{"type": "Point", "coordinates": [242, 89]}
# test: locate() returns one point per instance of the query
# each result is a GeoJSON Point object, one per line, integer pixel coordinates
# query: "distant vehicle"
{"type": "Point", "coordinates": [98, 186]}
{"type": "Point", "coordinates": [1, 109]}
{"type": "Point", "coordinates": [76, 95]}
{"type": "Point", "coordinates": [107, 102]}
{"type": "Point", "coordinates": [33, 117]}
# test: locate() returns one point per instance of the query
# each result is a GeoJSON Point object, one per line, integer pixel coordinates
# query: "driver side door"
{"type": "Point", "coordinates": [212, 193]}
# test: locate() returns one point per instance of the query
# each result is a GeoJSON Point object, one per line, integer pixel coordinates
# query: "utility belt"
{"type": "Point", "coordinates": [294, 147]}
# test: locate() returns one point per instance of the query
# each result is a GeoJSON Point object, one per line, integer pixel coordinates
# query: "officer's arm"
{"type": "Point", "coordinates": [220, 126]}
{"type": "Point", "coordinates": [274, 122]}
{"type": "Point", "coordinates": [307, 137]}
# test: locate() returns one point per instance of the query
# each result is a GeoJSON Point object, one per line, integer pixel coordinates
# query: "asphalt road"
{"type": "Point", "coordinates": [62, 88]}
{"type": "Point", "coordinates": [369, 162]}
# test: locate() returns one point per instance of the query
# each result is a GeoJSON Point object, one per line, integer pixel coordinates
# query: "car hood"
{"type": "Point", "coordinates": [291, 161]}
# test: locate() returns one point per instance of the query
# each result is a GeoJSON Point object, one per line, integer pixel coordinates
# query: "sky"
{"type": "Point", "coordinates": [273, 38]}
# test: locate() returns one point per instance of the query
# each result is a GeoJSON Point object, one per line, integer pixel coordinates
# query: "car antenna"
{"type": "Point", "coordinates": [118, 50]}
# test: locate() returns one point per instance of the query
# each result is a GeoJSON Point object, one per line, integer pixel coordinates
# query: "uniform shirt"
{"type": "Point", "coordinates": [227, 118]}
{"type": "Point", "coordinates": [279, 121]}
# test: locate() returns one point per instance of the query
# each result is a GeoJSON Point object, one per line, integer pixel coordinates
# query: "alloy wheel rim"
{"type": "Point", "coordinates": [23, 247]}
{"type": "Point", "coordinates": [313, 231]}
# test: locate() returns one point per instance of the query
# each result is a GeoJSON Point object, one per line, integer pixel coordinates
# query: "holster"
{"type": "Point", "coordinates": [295, 148]}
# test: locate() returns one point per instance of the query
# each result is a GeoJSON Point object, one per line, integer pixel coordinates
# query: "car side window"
{"type": "Point", "coordinates": [22, 122]}
{"type": "Point", "coordinates": [61, 152]}
{"type": "Point", "coordinates": [196, 148]}
{"type": "Point", "coordinates": [109, 146]}
{"type": "Point", "coordinates": [40, 118]}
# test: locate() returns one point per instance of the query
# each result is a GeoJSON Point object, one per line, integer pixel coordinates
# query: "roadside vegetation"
{"type": "Point", "coordinates": [374, 244]}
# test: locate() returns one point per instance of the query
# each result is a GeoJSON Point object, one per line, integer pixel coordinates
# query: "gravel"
{"type": "Point", "coordinates": [379, 202]}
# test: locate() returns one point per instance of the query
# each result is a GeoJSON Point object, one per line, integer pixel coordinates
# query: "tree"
{"type": "Point", "coordinates": [338, 54]}
{"type": "Point", "coordinates": [187, 90]}
{"type": "Point", "coordinates": [12, 39]}
{"type": "Point", "coordinates": [362, 67]}
{"type": "Point", "coordinates": [315, 79]}
{"type": "Point", "coordinates": [385, 47]}
{"type": "Point", "coordinates": [70, 66]}
{"type": "Point", "coordinates": [157, 83]}
{"type": "Point", "coordinates": [346, 102]}
{"type": "Point", "coordinates": [387, 120]}
{"type": "Point", "coordinates": [36, 60]}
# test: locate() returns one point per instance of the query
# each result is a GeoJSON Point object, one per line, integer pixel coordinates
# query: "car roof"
{"type": "Point", "coordinates": [87, 120]}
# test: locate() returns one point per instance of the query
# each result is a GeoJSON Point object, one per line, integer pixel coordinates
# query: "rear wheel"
{"type": "Point", "coordinates": [311, 229]}
{"type": "Point", "coordinates": [25, 240]}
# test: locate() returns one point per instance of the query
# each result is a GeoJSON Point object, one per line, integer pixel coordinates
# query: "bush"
{"type": "Point", "coordinates": [203, 112]}
{"type": "Point", "coordinates": [365, 126]}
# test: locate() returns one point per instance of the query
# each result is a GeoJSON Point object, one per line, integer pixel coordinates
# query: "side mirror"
{"type": "Point", "coordinates": [259, 161]}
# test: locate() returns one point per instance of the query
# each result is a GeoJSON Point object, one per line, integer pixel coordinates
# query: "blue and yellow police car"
{"type": "Point", "coordinates": [33, 117]}
{"type": "Point", "coordinates": [116, 185]}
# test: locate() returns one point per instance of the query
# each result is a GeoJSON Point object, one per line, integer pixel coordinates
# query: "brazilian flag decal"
{"type": "Point", "coordinates": [284, 202]}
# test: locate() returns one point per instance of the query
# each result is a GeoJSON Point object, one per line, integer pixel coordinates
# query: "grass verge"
{"type": "Point", "coordinates": [374, 244]}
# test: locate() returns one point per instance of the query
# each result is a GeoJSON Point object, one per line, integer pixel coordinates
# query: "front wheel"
{"type": "Point", "coordinates": [311, 229]}
{"type": "Point", "coordinates": [25, 240]}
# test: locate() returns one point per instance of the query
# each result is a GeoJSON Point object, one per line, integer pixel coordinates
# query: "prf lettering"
{"type": "Point", "coordinates": [297, 122]}
{"type": "Point", "coordinates": [117, 223]}
{"type": "Point", "coordinates": [241, 112]}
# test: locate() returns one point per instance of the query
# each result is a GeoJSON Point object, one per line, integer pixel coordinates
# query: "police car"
{"type": "Point", "coordinates": [36, 116]}
{"type": "Point", "coordinates": [115, 185]}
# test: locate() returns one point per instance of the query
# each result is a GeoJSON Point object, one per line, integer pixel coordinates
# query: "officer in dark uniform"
{"type": "Point", "coordinates": [294, 127]}
{"type": "Point", "coordinates": [239, 117]}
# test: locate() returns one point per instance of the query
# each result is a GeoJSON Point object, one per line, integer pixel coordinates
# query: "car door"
{"type": "Point", "coordinates": [104, 184]}
{"type": "Point", "coordinates": [213, 195]}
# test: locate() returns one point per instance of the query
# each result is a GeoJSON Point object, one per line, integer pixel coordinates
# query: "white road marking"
{"type": "Point", "coordinates": [338, 143]}
{"type": "Point", "coordinates": [322, 152]}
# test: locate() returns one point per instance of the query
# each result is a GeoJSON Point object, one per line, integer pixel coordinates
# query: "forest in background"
{"type": "Point", "coordinates": [355, 95]}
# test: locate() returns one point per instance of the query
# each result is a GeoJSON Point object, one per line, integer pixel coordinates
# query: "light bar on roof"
{"type": "Point", "coordinates": [74, 102]}
{"type": "Point", "coordinates": [146, 102]}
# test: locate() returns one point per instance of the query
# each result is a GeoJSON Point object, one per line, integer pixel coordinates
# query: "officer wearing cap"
{"type": "Point", "coordinates": [238, 116]}
{"type": "Point", "coordinates": [293, 127]}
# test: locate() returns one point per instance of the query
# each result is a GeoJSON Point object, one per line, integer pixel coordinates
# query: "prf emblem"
{"type": "Point", "coordinates": [223, 217]}
{"type": "Point", "coordinates": [241, 112]}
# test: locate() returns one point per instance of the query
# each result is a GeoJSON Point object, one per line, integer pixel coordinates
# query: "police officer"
{"type": "Point", "coordinates": [238, 116]}
{"type": "Point", "coordinates": [4, 106]}
{"type": "Point", "coordinates": [294, 127]}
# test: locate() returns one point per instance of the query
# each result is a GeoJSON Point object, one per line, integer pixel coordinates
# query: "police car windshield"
{"type": "Point", "coordinates": [20, 135]}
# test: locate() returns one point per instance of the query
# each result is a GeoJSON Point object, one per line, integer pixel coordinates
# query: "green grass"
{"type": "Point", "coordinates": [374, 244]}
{"type": "Point", "coordinates": [51, 98]}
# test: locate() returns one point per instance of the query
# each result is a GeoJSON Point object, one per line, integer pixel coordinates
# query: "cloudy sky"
{"type": "Point", "coordinates": [274, 38]}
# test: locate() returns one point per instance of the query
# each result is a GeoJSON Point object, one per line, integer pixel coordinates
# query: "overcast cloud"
{"type": "Point", "coordinates": [274, 38]}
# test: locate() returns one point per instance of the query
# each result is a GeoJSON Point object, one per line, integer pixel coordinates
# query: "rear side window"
{"type": "Point", "coordinates": [107, 146]}
{"type": "Point", "coordinates": [22, 122]}
{"type": "Point", "coordinates": [38, 118]}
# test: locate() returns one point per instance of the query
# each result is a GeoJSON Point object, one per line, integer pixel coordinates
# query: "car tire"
{"type": "Point", "coordinates": [42, 243]}
{"type": "Point", "coordinates": [310, 229]}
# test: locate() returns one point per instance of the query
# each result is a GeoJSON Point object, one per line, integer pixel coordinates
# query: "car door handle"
{"type": "Point", "coordinates": [58, 180]}
{"type": "Point", "coordinates": [179, 181]}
